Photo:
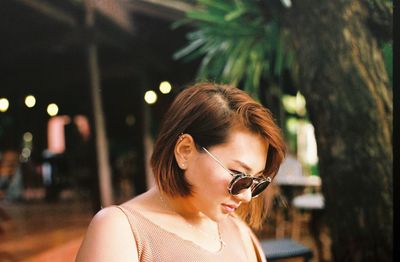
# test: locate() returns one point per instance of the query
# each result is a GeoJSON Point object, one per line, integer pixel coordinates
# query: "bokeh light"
{"type": "Point", "coordinates": [30, 101]}
{"type": "Point", "coordinates": [4, 104]}
{"type": "Point", "coordinates": [27, 136]}
{"type": "Point", "coordinates": [130, 120]}
{"type": "Point", "coordinates": [150, 97]}
{"type": "Point", "coordinates": [165, 87]}
{"type": "Point", "coordinates": [52, 109]}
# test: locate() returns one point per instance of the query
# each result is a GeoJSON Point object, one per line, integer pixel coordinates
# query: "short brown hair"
{"type": "Point", "coordinates": [208, 112]}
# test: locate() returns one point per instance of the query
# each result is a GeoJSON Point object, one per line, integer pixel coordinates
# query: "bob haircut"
{"type": "Point", "coordinates": [208, 112]}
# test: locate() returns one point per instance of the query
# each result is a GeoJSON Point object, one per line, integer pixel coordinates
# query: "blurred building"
{"type": "Point", "coordinates": [43, 55]}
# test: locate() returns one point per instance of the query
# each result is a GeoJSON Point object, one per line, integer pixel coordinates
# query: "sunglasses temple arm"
{"type": "Point", "coordinates": [267, 179]}
{"type": "Point", "coordinates": [216, 160]}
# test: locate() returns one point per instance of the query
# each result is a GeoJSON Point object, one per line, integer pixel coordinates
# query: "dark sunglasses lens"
{"type": "Point", "coordinates": [240, 184]}
{"type": "Point", "coordinates": [259, 188]}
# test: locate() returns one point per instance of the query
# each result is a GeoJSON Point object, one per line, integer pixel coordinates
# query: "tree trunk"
{"type": "Point", "coordinates": [342, 76]}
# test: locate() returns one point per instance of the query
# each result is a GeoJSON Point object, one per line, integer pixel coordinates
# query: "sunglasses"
{"type": "Point", "coordinates": [241, 181]}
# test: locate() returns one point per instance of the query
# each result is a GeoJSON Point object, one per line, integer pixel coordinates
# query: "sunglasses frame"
{"type": "Point", "coordinates": [238, 176]}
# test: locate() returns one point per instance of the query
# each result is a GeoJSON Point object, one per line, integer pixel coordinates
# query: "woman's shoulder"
{"type": "Point", "coordinates": [110, 217]}
{"type": "Point", "coordinates": [108, 238]}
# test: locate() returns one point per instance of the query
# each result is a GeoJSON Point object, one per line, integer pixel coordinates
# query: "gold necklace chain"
{"type": "Point", "coordinates": [222, 242]}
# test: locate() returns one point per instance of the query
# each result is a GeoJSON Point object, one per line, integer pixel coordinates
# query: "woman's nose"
{"type": "Point", "coordinates": [244, 195]}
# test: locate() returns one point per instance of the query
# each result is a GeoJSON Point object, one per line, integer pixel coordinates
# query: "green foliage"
{"type": "Point", "coordinates": [387, 50]}
{"type": "Point", "coordinates": [236, 42]}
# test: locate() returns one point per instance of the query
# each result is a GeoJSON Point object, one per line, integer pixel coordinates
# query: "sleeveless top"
{"type": "Point", "coordinates": [157, 244]}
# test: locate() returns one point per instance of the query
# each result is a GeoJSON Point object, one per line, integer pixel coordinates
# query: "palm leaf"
{"type": "Point", "coordinates": [236, 43]}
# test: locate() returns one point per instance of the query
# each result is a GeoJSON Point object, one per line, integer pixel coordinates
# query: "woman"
{"type": "Point", "coordinates": [216, 152]}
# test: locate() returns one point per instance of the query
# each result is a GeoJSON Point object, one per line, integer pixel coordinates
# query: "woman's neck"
{"type": "Point", "coordinates": [182, 206]}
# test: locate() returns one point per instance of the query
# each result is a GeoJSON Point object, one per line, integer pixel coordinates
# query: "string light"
{"type": "Point", "coordinates": [30, 101]}
{"type": "Point", "coordinates": [165, 87]}
{"type": "Point", "coordinates": [4, 104]}
{"type": "Point", "coordinates": [52, 109]}
{"type": "Point", "coordinates": [150, 97]}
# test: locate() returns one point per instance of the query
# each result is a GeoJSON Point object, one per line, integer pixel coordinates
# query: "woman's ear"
{"type": "Point", "coordinates": [184, 149]}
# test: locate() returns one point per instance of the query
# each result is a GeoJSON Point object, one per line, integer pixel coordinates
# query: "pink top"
{"type": "Point", "coordinates": [157, 244]}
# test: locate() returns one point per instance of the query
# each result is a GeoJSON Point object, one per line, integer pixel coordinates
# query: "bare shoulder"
{"type": "Point", "coordinates": [108, 238]}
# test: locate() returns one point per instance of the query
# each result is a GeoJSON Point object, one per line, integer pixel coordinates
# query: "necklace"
{"type": "Point", "coordinates": [189, 225]}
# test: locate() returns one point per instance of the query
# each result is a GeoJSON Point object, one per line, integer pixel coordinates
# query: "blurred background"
{"type": "Point", "coordinates": [84, 85]}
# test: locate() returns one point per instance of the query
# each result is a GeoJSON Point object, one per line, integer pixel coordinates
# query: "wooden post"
{"type": "Point", "coordinates": [104, 170]}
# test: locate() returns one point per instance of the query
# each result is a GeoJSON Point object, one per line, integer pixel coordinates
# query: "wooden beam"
{"type": "Point", "coordinates": [51, 11]}
{"type": "Point", "coordinates": [115, 10]}
{"type": "Point", "coordinates": [166, 9]}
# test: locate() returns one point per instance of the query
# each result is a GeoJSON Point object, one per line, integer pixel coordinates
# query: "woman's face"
{"type": "Point", "coordinates": [243, 152]}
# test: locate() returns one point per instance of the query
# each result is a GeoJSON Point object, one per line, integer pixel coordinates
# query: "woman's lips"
{"type": "Point", "coordinates": [229, 208]}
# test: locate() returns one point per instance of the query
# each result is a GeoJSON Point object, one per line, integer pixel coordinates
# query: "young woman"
{"type": "Point", "coordinates": [215, 155]}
